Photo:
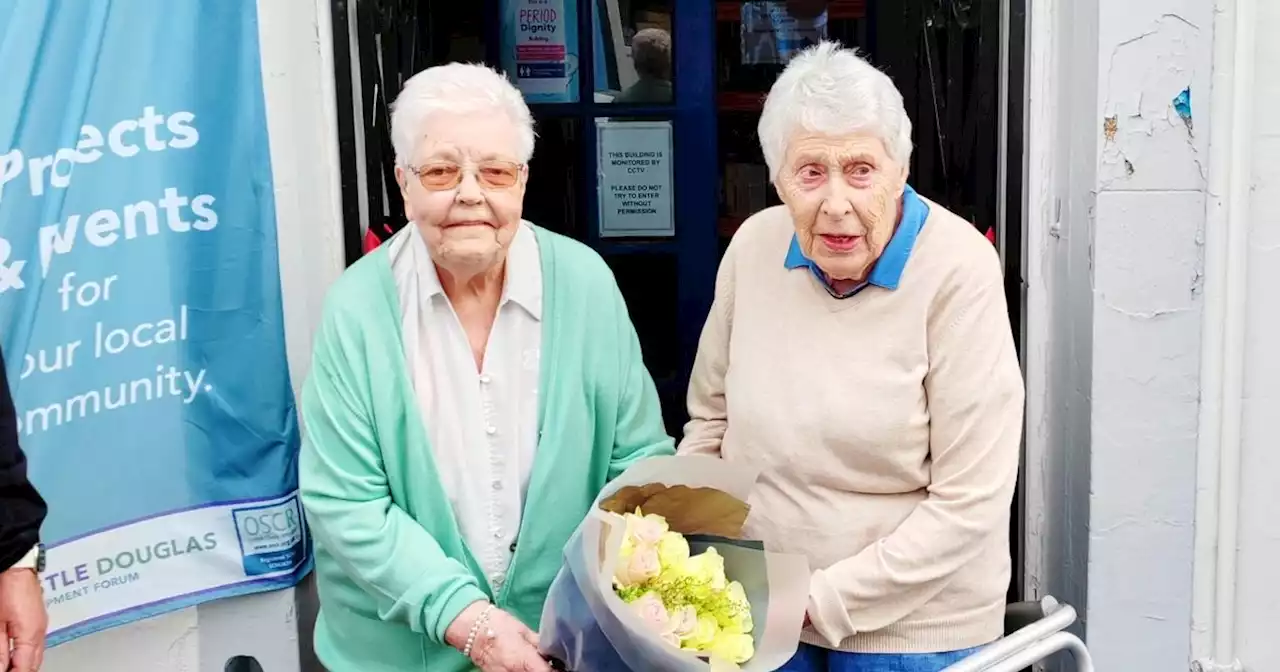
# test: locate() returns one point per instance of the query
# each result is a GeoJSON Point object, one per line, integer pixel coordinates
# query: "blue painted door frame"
{"type": "Point", "coordinates": [696, 164]}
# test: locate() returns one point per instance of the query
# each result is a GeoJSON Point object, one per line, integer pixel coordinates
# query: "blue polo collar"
{"type": "Point", "coordinates": [887, 271]}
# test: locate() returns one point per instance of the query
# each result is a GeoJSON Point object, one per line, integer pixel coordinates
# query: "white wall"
{"type": "Point", "coordinates": [1257, 612]}
{"type": "Point", "coordinates": [1148, 266]}
{"type": "Point", "coordinates": [297, 67]}
{"type": "Point", "coordinates": [1116, 183]}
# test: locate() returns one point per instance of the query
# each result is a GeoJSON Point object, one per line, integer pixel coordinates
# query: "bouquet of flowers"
{"type": "Point", "coordinates": [659, 577]}
{"type": "Point", "coordinates": [686, 599]}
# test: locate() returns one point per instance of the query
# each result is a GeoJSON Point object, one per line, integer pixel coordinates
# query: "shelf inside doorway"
{"type": "Point", "coordinates": [740, 101]}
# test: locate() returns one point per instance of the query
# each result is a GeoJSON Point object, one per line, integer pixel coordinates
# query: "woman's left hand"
{"type": "Point", "coordinates": [513, 647]}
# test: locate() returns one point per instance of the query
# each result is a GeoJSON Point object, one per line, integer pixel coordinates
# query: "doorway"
{"type": "Point", "coordinates": [685, 79]}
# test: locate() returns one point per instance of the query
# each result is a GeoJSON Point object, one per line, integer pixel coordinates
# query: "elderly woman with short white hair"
{"type": "Point", "coordinates": [859, 352]}
{"type": "Point", "coordinates": [476, 382]}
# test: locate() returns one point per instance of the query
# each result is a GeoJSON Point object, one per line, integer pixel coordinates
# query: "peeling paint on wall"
{"type": "Point", "coordinates": [1182, 105]}
{"type": "Point", "coordinates": [1147, 107]}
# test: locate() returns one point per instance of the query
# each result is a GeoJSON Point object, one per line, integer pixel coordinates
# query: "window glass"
{"type": "Point", "coordinates": [633, 51]}
{"type": "Point", "coordinates": [555, 179]}
{"type": "Point", "coordinates": [649, 282]}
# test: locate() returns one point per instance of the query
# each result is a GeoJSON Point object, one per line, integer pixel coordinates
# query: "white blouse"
{"type": "Point", "coordinates": [483, 425]}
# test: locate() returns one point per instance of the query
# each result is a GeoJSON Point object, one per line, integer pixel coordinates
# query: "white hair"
{"type": "Point", "coordinates": [831, 90]}
{"type": "Point", "coordinates": [456, 88]}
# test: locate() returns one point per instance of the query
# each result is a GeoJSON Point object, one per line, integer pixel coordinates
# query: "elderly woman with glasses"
{"type": "Point", "coordinates": [476, 382]}
{"type": "Point", "coordinates": [859, 352]}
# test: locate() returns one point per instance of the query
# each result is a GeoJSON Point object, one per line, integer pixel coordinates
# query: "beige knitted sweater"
{"type": "Point", "coordinates": [887, 426]}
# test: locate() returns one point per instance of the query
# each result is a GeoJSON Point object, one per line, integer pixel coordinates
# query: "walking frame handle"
{"type": "Point", "coordinates": [1030, 644]}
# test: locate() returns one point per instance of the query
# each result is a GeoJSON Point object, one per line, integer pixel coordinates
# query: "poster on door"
{"type": "Point", "coordinates": [540, 49]}
{"type": "Point", "coordinates": [140, 307]}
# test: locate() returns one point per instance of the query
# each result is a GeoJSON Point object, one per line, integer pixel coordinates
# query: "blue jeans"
{"type": "Point", "coordinates": [816, 659]}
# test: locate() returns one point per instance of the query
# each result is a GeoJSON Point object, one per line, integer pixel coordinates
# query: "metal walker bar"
{"type": "Point", "coordinates": [1033, 643]}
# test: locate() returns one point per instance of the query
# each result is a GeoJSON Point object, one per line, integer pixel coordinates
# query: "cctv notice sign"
{"type": "Point", "coordinates": [635, 178]}
{"type": "Point", "coordinates": [141, 309]}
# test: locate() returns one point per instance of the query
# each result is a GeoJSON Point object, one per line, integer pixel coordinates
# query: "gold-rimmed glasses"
{"type": "Point", "coordinates": [445, 175]}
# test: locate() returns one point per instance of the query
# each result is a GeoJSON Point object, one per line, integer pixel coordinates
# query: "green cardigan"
{"type": "Point", "coordinates": [392, 568]}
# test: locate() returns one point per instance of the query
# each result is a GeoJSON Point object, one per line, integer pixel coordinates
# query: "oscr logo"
{"type": "Point", "coordinates": [271, 536]}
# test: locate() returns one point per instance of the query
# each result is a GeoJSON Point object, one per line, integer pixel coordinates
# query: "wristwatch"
{"type": "Point", "coordinates": [34, 559]}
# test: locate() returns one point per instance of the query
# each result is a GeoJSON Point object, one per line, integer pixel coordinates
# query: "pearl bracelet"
{"type": "Point", "coordinates": [481, 620]}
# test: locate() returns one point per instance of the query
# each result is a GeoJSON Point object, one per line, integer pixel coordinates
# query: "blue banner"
{"type": "Point", "coordinates": [140, 305]}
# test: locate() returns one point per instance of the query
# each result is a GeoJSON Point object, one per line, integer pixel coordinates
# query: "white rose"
{"type": "Point", "coordinates": [653, 612]}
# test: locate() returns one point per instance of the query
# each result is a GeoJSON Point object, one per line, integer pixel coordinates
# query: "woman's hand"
{"type": "Point", "coordinates": [512, 648]}
{"type": "Point", "coordinates": [502, 643]}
